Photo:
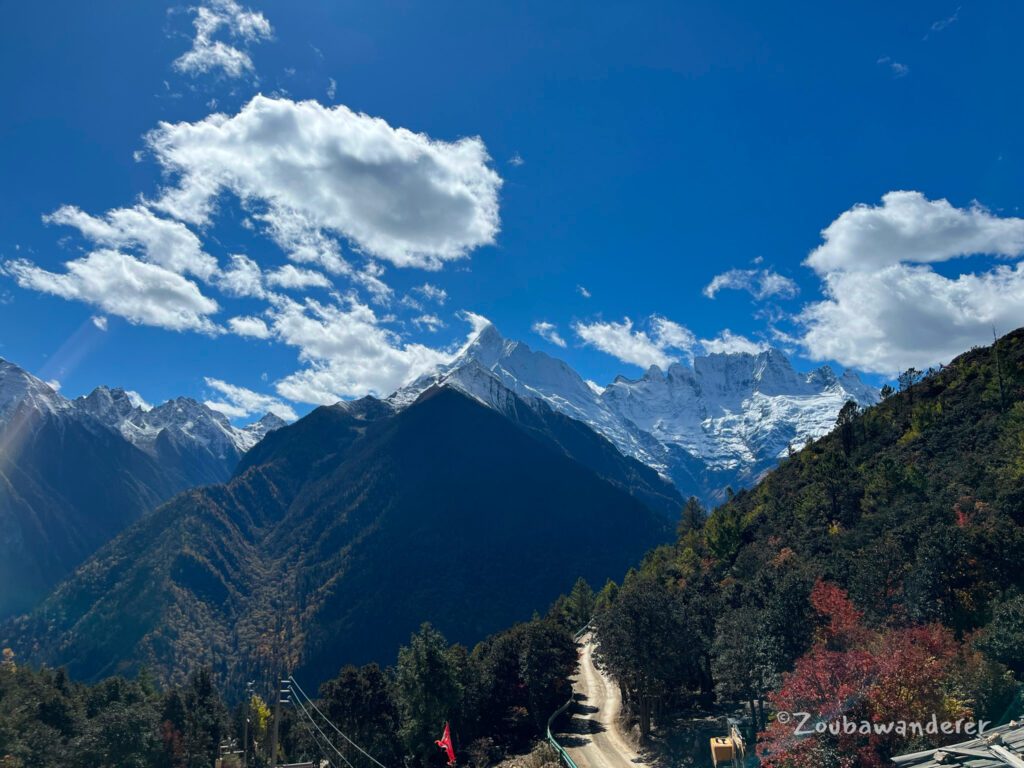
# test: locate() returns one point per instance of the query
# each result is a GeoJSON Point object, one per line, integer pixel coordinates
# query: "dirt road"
{"type": "Point", "coordinates": [592, 736]}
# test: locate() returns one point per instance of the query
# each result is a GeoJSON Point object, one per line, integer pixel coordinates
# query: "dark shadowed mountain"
{"type": "Point", "coordinates": [73, 474]}
{"type": "Point", "coordinates": [722, 420]}
{"type": "Point", "coordinates": [341, 533]}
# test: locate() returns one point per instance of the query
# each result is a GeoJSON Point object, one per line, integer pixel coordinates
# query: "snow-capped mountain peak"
{"type": "Point", "coordinates": [259, 429]}
{"type": "Point", "coordinates": [19, 388]}
{"type": "Point", "coordinates": [182, 420]}
{"type": "Point", "coordinates": [721, 421]}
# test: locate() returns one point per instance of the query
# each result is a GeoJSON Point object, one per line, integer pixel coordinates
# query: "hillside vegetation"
{"type": "Point", "coordinates": [338, 537]}
{"type": "Point", "coordinates": [876, 573]}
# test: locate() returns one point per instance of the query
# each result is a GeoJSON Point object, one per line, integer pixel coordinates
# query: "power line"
{"type": "Point", "coordinates": [330, 723]}
{"type": "Point", "coordinates": [320, 730]}
{"type": "Point", "coordinates": [315, 740]}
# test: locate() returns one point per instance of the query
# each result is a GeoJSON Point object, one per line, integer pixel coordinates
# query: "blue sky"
{"type": "Point", "coordinates": [518, 152]}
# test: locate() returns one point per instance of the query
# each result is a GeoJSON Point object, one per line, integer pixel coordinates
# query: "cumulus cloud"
{"type": "Point", "coordinates": [909, 315]}
{"type": "Point", "coordinates": [636, 346]}
{"type": "Point", "coordinates": [549, 332]}
{"type": "Point", "coordinates": [759, 283]}
{"type": "Point", "coordinates": [243, 26]}
{"type": "Point", "coordinates": [291, 277]}
{"type": "Point", "coordinates": [239, 402]}
{"type": "Point", "coordinates": [247, 325]}
{"type": "Point", "coordinates": [394, 194]}
{"type": "Point", "coordinates": [730, 343]}
{"type": "Point", "coordinates": [885, 308]}
{"type": "Point", "coordinates": [159, 241]}
{"type": "Point", "coordinates": [348, 352]}
{"type": "Point", "coordinates": [119, 284]}
{"type": "Point", "coordinates": [99, 321]}
{"type": "Point", "coordinates": [907, 227]}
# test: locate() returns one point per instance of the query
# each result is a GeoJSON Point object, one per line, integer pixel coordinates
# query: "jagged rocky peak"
{"type": "Point", "coordinates": [18, 387]}
{"type": "Point", "coordinates": [109, 405]}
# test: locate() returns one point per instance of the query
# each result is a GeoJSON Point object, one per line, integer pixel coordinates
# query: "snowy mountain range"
{"type": "Point", "coordinates": [182, 421]}
{"type": "Point", "coordinates": [719, 422]}
{"type": "Point", "coordinates": [75, 473]}
{"type": "Point", "coordinates": [722, 421]}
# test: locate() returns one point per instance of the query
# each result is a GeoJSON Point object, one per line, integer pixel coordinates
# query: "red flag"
{"type": "Point", "coordinates": [445, 743]}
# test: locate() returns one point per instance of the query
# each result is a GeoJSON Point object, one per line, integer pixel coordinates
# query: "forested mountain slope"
{"type": "Point", "coordinates": [338, 536]}
{"type": "Point", "coordinates": [882, 557]}
{"type": "Point", "coordinates": [75, 473]}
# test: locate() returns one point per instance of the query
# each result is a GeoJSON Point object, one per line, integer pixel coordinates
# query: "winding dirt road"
{"type": "Point", "coordinates": [592, 736]}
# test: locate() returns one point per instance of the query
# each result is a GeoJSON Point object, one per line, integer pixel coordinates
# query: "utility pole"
{"type": "Point", "coordinates": [245, 724]}
{"type": "Point", "coordinates": [277, 721]}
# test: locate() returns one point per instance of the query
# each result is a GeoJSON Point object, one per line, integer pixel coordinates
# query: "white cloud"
{"type": "Point", "coordinates": [349, 353]}
{"type": "Point", "coordinates": [332, 88]}
{"type": "Point", "coordinates": [638, 347]}
{"type": "Point", "coordinates": [432, 293]}
{"type": "Point", "coordinates": [886, 309]}
{"type": "Point", "coordinates": [730, 343]}
{"type": "Point", "coordinates": [291, 277]}
{"type": "Point", "coordinates": [120, 284]}
{"type": "Point", "coordinates": [159, 241]}
{"type": "Point", "coordinates": [395, 194]}
{"type": "Point", "coordinates": [99, 321]}
{"type": "Point", "coordinates": [583, 291]}
{"type": "Point", "coordinates": [478, 323]}
{"type": "Point", "coordinates": [370, 278]}
{"type": "Point", "coordinates": [242, 278]}
{"type": "Point", "coordinates": [909, 228]}
{"type": "Point", "coordinates": [671, 335]}
{"type": "Point", "coordinates": [759, 283]}
{"type": "Point", "coordinates": [302, 241]}
{"type": "Point", "coordinates": [239, 402]}
{"type": "Point", "coordinates": [549, 332]}
{"type": "Point", "coordinates": [54, 385]}
{"type": "Point", "coordinates": [516, 160]}
{"type": "Point", "coordinates": [897, 69]}
{"type": "Point", "coordinates": [941, 24]}
{"type": "Point", "coordinates": [137, 400]}
{"type": "Point", "coordinates": [909, 315]}
{"type": "Point", "coordinates": [431, 322]}
{"type": "Point", "coordinates": [207, 54]}
{"type": "Point", "coordinates": [252, 327]}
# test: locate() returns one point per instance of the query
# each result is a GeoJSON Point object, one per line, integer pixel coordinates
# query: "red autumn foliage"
{"type": "Point", "coordinates": [843, 628]}
{"type": "Point", "coordinates": [852, 671]}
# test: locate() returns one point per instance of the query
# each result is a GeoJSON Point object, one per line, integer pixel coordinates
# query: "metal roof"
{"type": "Point", "coordinates": [998, 748]}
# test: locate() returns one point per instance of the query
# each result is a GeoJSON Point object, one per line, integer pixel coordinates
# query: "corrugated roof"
{"type": "Point", "coordinates": [998, 748]}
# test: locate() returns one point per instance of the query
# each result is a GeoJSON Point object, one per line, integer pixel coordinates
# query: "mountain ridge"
{"type": "Point", "coordinates": [75, 473]}
{"type": "Point", "coordinates": [316, 519]}
{"type": "Point", "coordinates": [722, 421]}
